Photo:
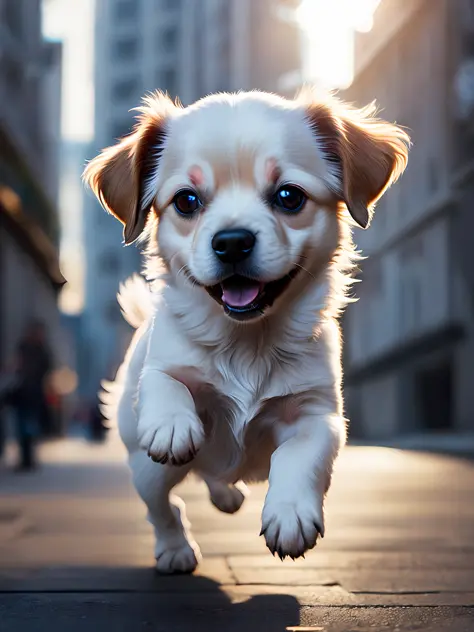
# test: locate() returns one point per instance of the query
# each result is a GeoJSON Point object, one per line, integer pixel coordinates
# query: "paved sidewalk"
{"type": "Point", "coordinates": [76, 552]}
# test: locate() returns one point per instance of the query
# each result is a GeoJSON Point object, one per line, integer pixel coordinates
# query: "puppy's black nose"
{"type": "Point", "coordinates": [233, 245]}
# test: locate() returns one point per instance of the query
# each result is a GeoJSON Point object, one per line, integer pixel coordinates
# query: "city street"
{"type": "Point", "coordinates": [76, 551]}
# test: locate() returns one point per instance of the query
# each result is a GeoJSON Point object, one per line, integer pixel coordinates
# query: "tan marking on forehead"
{"type": "Point", "coordinates": [196, 176]}
{"type": "Point", "coordinates": [238, 167]}
{"type": "Point", "coordinates": [272, 171]}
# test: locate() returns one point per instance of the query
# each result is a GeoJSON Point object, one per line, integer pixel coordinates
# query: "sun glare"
{"type": "Point", "coordinates": [329, 27]}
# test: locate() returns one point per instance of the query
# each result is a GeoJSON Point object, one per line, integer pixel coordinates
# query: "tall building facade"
{"type": "Point", "coordinates": [188, 48]}
{"type": "Point", "coordinates": [410, 340]}
{"type": "Point", "coordinates": [30, 277]}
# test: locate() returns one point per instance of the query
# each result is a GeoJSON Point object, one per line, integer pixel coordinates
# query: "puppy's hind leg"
{"type": "Point", "coordinates": [227, 498]}
{"type": "Point", "coordinates": [175, 550]}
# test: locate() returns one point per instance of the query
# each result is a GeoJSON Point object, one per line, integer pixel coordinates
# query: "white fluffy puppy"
{"type": "Point", "coordinates": [235, 369]}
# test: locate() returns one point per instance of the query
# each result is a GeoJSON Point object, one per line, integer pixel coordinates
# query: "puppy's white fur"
{"type": "Point", "coordinates": [199, 391]}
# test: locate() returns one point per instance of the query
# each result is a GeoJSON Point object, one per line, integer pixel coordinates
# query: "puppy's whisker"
{"type": "Point", "coordinates": [298, 265]}
{"type": "Point", "coordinates": [184, 271]}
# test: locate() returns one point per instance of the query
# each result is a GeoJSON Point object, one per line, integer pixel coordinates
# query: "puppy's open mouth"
{"type": "Point", "coordinates": [244, 298]}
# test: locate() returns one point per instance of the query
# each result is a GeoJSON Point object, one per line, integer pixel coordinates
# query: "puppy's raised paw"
{"type": "Point", "coordinates": [227, 498]}
{"type": "Point", "coordinates": [290, 530]}
{"type": "Point", "coordinates": [175, 441]}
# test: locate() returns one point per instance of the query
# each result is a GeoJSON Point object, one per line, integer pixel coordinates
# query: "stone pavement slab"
{"type": "Point", "coordinates": [76, 551]}
{"type": "Point", "coordinates": [200, 613]}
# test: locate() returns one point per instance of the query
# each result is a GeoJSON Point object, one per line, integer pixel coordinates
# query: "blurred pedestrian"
{"type": "Point", "coordinates": [32, 365]}
{"type": "Point", "coordinates": [2, 430]}
{"type": "Point", "coordinates": [7, 389]}
{"type": "Point", "coordinates": [97, 426]}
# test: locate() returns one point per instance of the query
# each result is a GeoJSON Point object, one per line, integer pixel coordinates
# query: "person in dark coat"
{"type": "Point", "coordinates": [98, 429]}
{"type": "Point", "coordinates": [33, 364]}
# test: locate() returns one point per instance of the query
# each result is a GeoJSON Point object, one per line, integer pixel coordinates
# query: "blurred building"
{"type": "Point", "coordinates": [410, 340]}
{"type": "Point", "coordinates": [188, 48]}
{"type": "Point", "coordinates": [30, 277]}
{"type": "Point", "coordinates": [50, 115]}
{"type": "Point", "coordinates": [230, 45]}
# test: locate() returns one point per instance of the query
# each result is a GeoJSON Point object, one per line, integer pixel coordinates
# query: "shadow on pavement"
{"type": "Point", "coordinates": [132, 599]}
{"type": "Point", "coordinates": [210, 608]}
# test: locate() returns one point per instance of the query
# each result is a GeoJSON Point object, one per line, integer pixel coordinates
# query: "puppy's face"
{"type": "Point", "coordinates": [243, 202]}
{"type": "Point", "coordinates": [246, 189]}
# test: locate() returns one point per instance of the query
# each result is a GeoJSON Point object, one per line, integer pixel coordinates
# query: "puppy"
{"type": "Point", "coordinates": [246, 201]}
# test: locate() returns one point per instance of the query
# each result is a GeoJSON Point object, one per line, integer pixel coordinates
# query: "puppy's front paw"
{"type": "Point", "coordinates": [175, 440]}
{"type": "Point", "coordinates": [291, 529]}
{"type": "Point", "coordinates": [180, 559]}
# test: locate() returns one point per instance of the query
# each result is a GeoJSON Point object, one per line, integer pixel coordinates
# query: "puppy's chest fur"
{"type": "Point", "coordinates": [245, 377]}
{"type": "Point", "coordinates": [241, 398]}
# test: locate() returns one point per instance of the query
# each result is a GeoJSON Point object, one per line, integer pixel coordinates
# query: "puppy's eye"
{"type": "Point", "coordinates": [290, 198]}
{"type": "Point", "coordinates": [186, 202]}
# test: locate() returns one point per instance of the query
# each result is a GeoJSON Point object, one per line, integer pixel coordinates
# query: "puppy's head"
{"type": "Point", "coordinates": [248, 189]}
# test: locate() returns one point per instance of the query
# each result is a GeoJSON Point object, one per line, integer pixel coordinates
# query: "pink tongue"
{"type": "Point", "coordinates": [240, 296]}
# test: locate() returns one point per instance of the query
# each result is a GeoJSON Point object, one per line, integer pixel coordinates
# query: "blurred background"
{"type": "Point", "coordinates": [71, 70]}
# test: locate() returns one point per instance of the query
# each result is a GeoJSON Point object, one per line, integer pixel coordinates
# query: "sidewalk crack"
{"type": "Point", "coordinates": [231, 571]}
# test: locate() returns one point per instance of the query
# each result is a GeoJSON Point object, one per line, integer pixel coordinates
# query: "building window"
{"type": "Point", "coordinates": [13, 75]}
{"type": "Point", "coordinates": [372, 277]}
{"type": "Point", "coordinates": [125, 10]}
{"type": "Point", "coordinates": [166, 81]}
{"type": "Point", "coordinates": [412, 250]}
{"type": "Point", "coordinates": [433, 175]}
{"type": "Point", "coordinates": [410, 302]}
{"type": "Point", "coordinates": [468, 16]}
{"type": "Point", "coordinates": [125, 89]}
{"type": "Point", "coordinates": [120, 128]}
{"type": "Point", "coordinates": [12, 16]}
{"type": "Point", "coordinates": [169, 38]}
{"type": "Point", "coordinates": [112, 312]}
{"type": "Point", "coordinates": [223, 45]}
{"type": "Point", "coordinates": [109, 262]}
{"type": "Point", "coordinates": [171, 5]}
{"type": "Point", "coordinates": [125, 49]}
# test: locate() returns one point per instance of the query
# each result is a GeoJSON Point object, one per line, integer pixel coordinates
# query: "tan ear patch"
{"type": "Point", "coordinates": [366, 155]}
{"type": "Point", "coordinates": [112, 179]}
{"type": "Point", "coordinates": [120, 175]}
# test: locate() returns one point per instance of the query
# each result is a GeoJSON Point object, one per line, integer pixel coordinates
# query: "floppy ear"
{"type": "Point", "coordinates": [366, 155]}
{"type": "Point", "coordinates": [122, 175]}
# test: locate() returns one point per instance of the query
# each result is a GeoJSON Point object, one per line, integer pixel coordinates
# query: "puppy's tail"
{"type": "Point", "coordinates": [135, 300]}
{"type": "Point", "coordinates": [109, 396]}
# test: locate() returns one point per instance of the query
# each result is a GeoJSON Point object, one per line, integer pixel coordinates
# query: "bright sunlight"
{"type": "Point", "coordinates": [329, 32]}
